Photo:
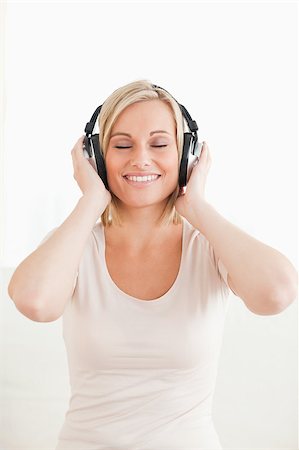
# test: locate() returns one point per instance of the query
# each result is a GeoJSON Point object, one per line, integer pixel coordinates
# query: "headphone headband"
{"type": "Point", "coordinates": [191, 123]}
{"type": "Point", "coordinates": [90, 125]}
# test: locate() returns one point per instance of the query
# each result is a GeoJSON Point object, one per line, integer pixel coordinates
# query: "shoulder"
{"type": "Point", "coordinates": [192, 235]}
{"type": "Point", "coordinates": [199, 246]}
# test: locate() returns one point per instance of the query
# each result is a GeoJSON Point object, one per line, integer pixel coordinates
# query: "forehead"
{"type": "Point", "coordinates": [145, 116]}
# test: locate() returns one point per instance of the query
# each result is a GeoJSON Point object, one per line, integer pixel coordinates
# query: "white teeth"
{"type": "Point", "coordinates": [142, 179]}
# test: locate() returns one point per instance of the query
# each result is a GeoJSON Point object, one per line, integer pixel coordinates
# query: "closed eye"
{"type": "Point", "coordinates": [118, 146]}
{"type": "Point", "coordinates": [163, 145]}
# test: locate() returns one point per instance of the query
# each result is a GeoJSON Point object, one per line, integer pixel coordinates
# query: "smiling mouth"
{"type": "Point", "coordinates": [142, 181]}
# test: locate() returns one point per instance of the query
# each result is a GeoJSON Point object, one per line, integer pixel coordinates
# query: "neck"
{"type": "Point", "coordinates": [140, 227]}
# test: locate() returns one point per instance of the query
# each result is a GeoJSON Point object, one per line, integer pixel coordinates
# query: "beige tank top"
{"type": "Point", "coordinates": [143, 373]}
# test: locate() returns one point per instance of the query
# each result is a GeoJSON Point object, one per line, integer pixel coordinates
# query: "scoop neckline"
{"type": "Point", "coordinates": [163, 297]}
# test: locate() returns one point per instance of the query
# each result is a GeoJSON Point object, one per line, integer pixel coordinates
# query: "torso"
{"type": "Point", "coordinates": [147, 275]}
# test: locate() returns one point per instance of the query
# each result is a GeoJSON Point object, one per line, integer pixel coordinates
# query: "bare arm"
{"type": "Point", "coordinates": [260, 275]}
{"type": "Point", "coordinates": [42, 283]}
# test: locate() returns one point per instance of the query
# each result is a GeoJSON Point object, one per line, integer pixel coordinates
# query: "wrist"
{"type": "Point", "coordinates": [198, 214]}
{"type": "Point", "coordinates": [94, 201]}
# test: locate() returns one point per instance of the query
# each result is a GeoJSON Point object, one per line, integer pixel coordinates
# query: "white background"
{"type": "Point", "coordinates": [233, 65]}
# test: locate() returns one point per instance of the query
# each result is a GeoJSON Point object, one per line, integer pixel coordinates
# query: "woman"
{"type": "Point", "coordinates": [144, 292]}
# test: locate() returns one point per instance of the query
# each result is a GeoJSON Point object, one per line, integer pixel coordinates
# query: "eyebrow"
{"type": "Point", "coordinates": [127, 134]}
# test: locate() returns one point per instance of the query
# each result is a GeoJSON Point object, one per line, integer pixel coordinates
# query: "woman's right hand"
{"type": "Point", "coordinates": [87, 177]}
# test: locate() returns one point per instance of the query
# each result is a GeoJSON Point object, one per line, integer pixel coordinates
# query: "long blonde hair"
{"type": "Point", "coordinates": [137, 91]}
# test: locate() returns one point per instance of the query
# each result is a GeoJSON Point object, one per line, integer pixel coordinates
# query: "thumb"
{"type": "Point", "coordinates": [205, 157]}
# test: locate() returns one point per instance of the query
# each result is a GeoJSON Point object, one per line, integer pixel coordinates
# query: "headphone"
{"type": "Point", "coordinates": [190, 153]}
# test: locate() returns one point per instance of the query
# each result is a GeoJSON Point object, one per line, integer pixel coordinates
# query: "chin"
{"type": "Point", "coordinates": [142, 203]}
{"type": "Point", "coordinates": [135, 201]}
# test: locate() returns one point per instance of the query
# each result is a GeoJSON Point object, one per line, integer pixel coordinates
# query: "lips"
{"type": "Point", "coordinates": [141, 184]}
{"type": "Point", "coordinates": [139, 174]}
{"type": "Point", "coordinates": [142, 179]}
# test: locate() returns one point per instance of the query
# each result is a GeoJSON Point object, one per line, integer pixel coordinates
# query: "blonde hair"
{"type": "Point", "coordinates": [138, 91]}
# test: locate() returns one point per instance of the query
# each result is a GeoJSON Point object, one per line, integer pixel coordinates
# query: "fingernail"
{"type": "Point", "coordinates": [196, 161]}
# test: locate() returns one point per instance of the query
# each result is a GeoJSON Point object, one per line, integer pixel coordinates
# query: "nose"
{"type": "Point", "coordinates": [140, 157]}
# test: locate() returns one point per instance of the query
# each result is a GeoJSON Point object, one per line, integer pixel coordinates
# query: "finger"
{"type": "Point", "coordinates": [79, 142]}
{"type": "Point", "coordinates": [196, 161]}
{"type": "Point", "coordinates": [204, 150]}
{"type": "Point", "coordinates": [205, 155]}
{"type": "Point", "coordinates": [77, 151]}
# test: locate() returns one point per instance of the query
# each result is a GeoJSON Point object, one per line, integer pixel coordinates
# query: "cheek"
{"type": "Point", "coordinates": [111, 169]}
{"type": "Point", "coordinates": [111, 165]}
{"type": "Point", "coordinates": [172, 168]}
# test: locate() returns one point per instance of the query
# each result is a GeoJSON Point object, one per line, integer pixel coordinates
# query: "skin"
{"type": "Point", "coordinates": [43, 282]}
{"type": "Point", "coordinates": [140, 209]}
{"type": "Point", "coordinates": [260, 275]}
{"type": "Point", "coordinates": [266, 289]}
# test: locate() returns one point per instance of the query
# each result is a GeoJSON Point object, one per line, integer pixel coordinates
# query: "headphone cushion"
{"type": "Point", "coordinates": [188, 146]}
{"type": "Point", "coordinates": [100, 163]}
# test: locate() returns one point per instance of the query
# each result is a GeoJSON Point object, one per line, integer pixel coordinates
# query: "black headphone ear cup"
{"type": "Point", "coordinates": [187, 150]}
{"type": "Point", "coordinates": [101, 167]}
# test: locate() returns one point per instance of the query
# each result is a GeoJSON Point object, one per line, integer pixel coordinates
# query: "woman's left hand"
{"type": "Point", "coordinates": [193, 194]}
